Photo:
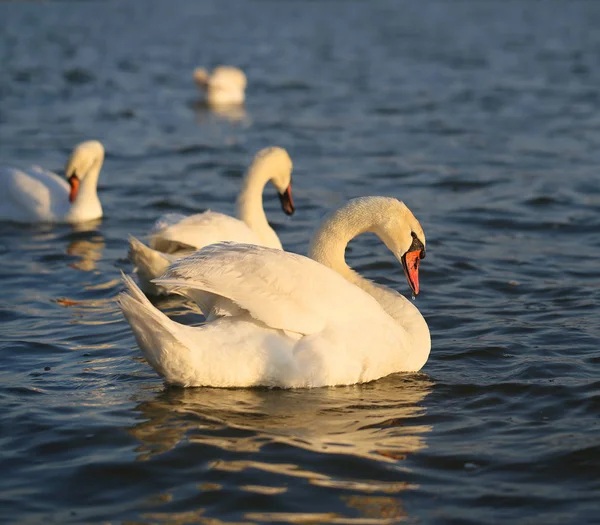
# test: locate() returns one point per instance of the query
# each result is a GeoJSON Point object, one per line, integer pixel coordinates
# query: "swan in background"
{"type": "Point", "coordinates": [36, 195]}
{"type": "Point", "coordinates": [175, 235]}
{"type": "Point", "coordinates": [224, 86]}
{"type": "Point", "coordinates": [279, 319]}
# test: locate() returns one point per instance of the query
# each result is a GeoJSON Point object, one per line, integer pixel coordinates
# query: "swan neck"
{"type": "Point", "coordinates": [250, 204]}
{"type": "Point", "coordinates": [328, 245]}
{"type": "Point", "coordinates": [86, 202]}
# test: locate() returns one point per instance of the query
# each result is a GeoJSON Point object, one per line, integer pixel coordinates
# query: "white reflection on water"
{"type": "Point", "coordinates": [89, 252]}
{"type": "Point", "coordinates": [377, 421]}
{"type": "Point", "coordinates": [374, 421]}
{"type": "Point", "coordinates": [232, 113]}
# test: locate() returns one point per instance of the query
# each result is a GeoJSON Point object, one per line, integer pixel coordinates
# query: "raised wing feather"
{"type": "Point", "coordinates": [283, 290]}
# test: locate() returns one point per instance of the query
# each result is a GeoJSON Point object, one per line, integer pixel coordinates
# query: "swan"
{"type": "Point", "coordinates": [36, 195]}
{"type": "Point", "coordinates": [175, 235]}
{"type": "Point", "coordinates": [279, 319]}
{"type": "Point", "coordinates": [224, 86]}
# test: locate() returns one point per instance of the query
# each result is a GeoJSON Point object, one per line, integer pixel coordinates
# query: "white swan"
{"type": "Point", "coordinates": [279, 319]}
{"type": "Point", "coordinates": [36, 195]}
{"type": "Point", "coordinates": [224, 86]}
{"type": "Point", "coordinates": [176, 235]}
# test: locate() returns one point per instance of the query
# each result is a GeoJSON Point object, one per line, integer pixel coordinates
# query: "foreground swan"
{"type": "Point", "coordinates": [279, 319]}
{"type": "Point", "coordinates": [36, 195]}
{"type": "Point", "coordinates": [224, 86]}
{"type": "Point", "coordinates": [176, 235]}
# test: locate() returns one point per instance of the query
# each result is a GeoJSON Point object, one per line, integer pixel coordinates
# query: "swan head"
{"type": "Point", "coordinates": [84, 157]}
{"type": "Point", "coordinates": [201, 76]}
{"type": "Point", "coordinates": [401, 232]}
{"type": "Point", "coordinates": [278, 165]}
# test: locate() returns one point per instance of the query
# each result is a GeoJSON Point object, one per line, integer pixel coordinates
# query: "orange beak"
{"type": "Point", "coordinates": [287, 203]}
{"type": "Point", "coordinates": [410, 263]}
{"type": "Point", "coordinates": [74, 183]}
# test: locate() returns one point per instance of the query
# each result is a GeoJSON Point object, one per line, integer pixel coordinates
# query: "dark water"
{"type": "Point", "coordinates": [484, 117]}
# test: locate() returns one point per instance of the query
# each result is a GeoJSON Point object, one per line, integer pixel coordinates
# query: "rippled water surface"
{"type": "Point", "coordinates": [484, 117]}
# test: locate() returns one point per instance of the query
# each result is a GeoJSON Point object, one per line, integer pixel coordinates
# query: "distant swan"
{"type": "Point", "coordinates": [175, 235]}
{"type": "Point", "coordinates": [36, 195]}
{"type": "Point", "coordinates": [226, 85]}
{"type": "Point", "coordinates": [279, 319]}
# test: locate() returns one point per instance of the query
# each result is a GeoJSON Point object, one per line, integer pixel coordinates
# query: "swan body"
{"type": "Point", "coordinates": [36, 195]}
{"type": "Point", "coordinates": [176, 235]}
{"type": "Point", "coordinates": [279, 319]}
{"type": "Point", "coordinates": [224, 86]}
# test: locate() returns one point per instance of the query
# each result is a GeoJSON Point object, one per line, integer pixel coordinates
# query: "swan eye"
{"type": "Point", "coordinates": [417, 245]}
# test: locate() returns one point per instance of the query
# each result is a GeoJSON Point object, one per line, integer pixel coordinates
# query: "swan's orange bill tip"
{"type": "Point", "coordinates": [74, 183]}
{"type": "Point", "coordinates": [410, 263]}
{"type": "Point", "coordinates": [287, 203]}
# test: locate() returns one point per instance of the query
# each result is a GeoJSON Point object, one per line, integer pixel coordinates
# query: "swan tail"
{"type": "Point", "coordinates": [154, 333]}
{"type": "Point", "coordinates": [149, 264]}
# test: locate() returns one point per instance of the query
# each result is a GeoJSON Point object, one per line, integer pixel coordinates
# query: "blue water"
{"type": "Point", "coordinates": [484, 117]}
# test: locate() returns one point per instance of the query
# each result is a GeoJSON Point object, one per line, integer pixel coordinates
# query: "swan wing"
{"type": "Point", "coordinates": [166, 220]}
{"type": "Point", "coordinates": [33, 194]}
{"type": "Point", "coordinates": [282, 290]}
{"type": "Point", "coordinates": [199, 230]}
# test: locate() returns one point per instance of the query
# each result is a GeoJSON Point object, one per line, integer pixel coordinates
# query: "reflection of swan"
{"type": "Point", "coordinates": [368, 421]}
{"type": "Point", "coordinates": [37, 195]}
{"type": "Point", "coordinates": [175, 233]}
{"type": "Point", "coordinates": [281, 319]}
{"type": "Point", "coordinates": [232, 113]}
{"type": "Point", "coordinates": [280, 444]}
{"type": "Point", "coordinates": [89, 251]}
{"type": "Point", "coordinates": [224, 86]}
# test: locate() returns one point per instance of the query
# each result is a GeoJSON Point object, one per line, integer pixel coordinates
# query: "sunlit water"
{"type": "Point", "coordinates": [484, 117]}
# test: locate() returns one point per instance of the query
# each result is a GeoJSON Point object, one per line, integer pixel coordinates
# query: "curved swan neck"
{"type": "Point", "coordinates": [328, 245]}
{"type": "Point", "coordinates": [250, 203]}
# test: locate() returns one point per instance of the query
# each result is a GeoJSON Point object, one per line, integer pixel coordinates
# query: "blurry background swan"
{"type": "Point", "coordinates": [224, 86]}
{"type": "Point", "coordinates": [223, 94]}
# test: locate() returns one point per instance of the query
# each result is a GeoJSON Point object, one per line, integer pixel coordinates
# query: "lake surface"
{"type": "Point", "coordinates": [484, 117]}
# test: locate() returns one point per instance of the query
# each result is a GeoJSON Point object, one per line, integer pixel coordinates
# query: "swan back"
{"type": "Point", "coordinates": [199, 230]}
{"type": "Point", "coordinates": [228, 77]}
{"type": "Point", "coordinates": [282, 290]}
